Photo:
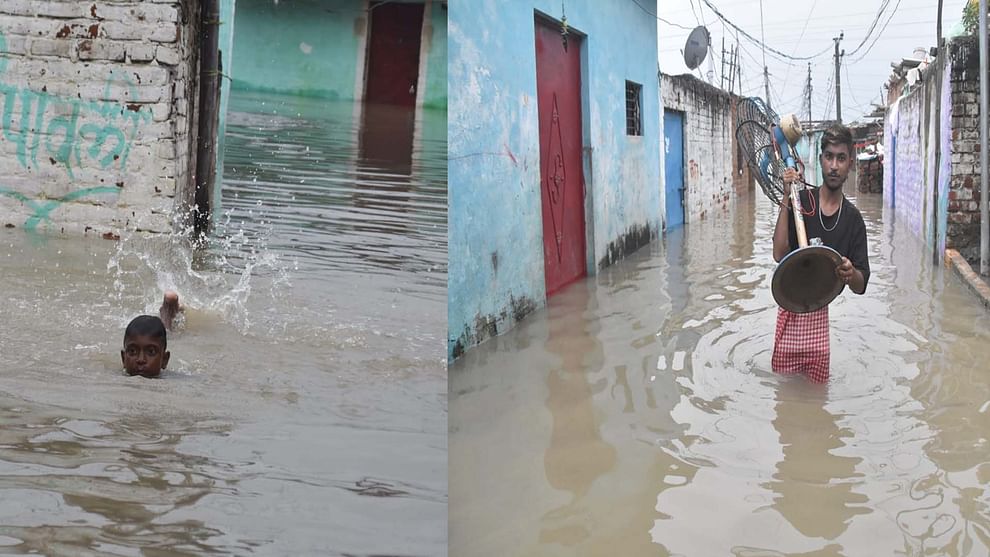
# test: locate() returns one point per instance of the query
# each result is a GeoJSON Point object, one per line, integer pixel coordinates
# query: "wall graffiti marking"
{"type": "Point", "coordinates": [69, 132]}
{"type": "Point", "coordinates": [43, 207]}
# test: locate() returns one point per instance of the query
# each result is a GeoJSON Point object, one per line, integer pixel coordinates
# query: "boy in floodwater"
{"type": "Point", "coordinates": [145, 341]}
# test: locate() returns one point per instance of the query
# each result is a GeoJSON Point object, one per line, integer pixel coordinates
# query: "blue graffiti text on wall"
{"type": "Point", "coordinates": [70, 132]}
{"type": "Point", "coordinates": [54, 124]}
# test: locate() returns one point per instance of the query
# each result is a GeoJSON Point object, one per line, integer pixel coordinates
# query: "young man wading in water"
{"type": "Point", "coordinates": [801, 341]}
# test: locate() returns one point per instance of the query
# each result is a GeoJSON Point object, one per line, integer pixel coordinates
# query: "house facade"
{"type": "Point", "coordinates": [555, 152]}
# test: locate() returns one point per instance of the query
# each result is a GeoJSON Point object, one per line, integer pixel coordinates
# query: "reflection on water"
{"type": "Point", "coordinates": [637, 413]}
{"type": "Point", "coordinates": [304, 408]}
{"type": "Point", "coordinates": [343, 199]}
{"type": "Point", "coordinates": [576, 455]}
{"type": "Point", "coordinates": [821, 502]}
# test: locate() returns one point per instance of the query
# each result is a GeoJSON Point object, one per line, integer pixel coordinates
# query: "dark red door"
{"type": "Point", "coordinates": [393, 54]}
{"type": "Point", "coordinates": [558, 92]}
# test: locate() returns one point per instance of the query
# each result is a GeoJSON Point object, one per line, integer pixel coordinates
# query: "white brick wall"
{"type": "Point", "coordinates": [708, 143]}
{"type": "Point", "coordinates": [94, 98]}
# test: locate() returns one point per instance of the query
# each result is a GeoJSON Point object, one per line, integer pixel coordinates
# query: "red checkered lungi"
{"type": "Point", "coordinates": [801, 345]}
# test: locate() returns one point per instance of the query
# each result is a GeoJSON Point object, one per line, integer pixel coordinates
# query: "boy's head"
{"type": "Point", "coordinates": [839, 136]}
{"type": "Point", "coordinates": [144, 351]}
{"type": "Point", "coordinates": [837, 156]}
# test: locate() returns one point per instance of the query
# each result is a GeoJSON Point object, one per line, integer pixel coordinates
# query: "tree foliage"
{"type": "Point", "coordinates": [971, 16]}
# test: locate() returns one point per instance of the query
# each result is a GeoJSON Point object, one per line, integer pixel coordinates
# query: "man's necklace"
{"type": "Point", "coordinates": [837, 217]}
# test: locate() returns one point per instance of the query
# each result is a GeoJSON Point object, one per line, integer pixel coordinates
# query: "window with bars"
{"type": "Point", "coordinates": [634, 112]}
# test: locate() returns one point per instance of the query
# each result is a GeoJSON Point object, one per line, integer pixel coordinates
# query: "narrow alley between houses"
{"type": "Point", "coordinates": [637, 413]}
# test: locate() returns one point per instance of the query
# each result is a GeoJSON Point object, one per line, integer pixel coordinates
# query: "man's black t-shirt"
{"type": "Point", "coordinates": [848, 237]}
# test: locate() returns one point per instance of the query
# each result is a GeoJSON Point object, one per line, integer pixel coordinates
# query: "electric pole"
{"type": "Point", "coordinates": [723, 62]}
{"type": "Point", "coordinates": [838, 89]}
{"type": "Point", "coordinates": [733, 68]}
{"type": "Point", "coordinates": [809, 91]}
{"type": "Point", "coordinates": [766, 83]}
{"type": "Point", "coordinates": [738, 65]}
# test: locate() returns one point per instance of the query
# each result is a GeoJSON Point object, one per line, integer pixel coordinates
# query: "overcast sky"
{"type": "Point", "coordinates": [802, 28]}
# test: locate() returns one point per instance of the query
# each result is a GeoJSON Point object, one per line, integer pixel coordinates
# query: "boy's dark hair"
{"type": "Point", "coordinates": [148, 325]}
{"type": "Point", "coordinates": [837, 134]}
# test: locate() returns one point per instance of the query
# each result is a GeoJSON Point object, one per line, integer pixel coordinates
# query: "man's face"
{"type": "Point", "coordinates": [836, 163]}
{"type": "Point", "coordinates": [143, 355]}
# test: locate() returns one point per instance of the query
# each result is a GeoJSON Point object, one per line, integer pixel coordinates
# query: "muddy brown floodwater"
{"type": "Point", "coordinates": [637, 414]}
{"type": "Point", "coordinates": [304, 408]}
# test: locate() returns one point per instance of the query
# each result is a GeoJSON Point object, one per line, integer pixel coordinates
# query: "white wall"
{"type": "Point", "coordinates": [95, 113]}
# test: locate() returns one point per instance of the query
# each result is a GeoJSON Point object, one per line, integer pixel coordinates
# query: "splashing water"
{"type": "Point", "coordinates": [216, 276]}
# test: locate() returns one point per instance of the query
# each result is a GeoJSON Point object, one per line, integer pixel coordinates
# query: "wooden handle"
{"type": "Point", "coordinates": [802, 234]}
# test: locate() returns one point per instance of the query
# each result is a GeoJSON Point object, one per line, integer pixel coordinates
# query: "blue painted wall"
{"type": "Point", "coordinates": [226, 45]}
{"type": "Point", "coordinates": [495, 244]}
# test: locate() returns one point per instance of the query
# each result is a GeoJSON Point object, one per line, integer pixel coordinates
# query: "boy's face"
{"type": "Point", "coordinates": [143, 355]}
{"type": "Point", "coordinates": [836, 163]}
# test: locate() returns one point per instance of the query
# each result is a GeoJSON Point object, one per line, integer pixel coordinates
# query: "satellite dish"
{"type": "Point", "coordinates": [696, 47]}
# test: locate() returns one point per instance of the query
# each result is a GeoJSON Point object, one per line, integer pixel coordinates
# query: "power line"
{"type": "Point", "coordinates": [787, 74]}
{"type": "Point", "coordinates": [672, 24]}
{"type": "Point", "coordinates": [883, 6]}
{"type": "Point", "coordinates": [892, 13]}
{"type": "Point", "coordinates": [763, 37]}
{"type": "Point", "coordinates": [850, 89]}
{"type": "Point", "coordinates": [761, 43]}
{"type": "Point", "coordinates": [820, 29]}
{"type": "Point", "coordinates": [696, 18]}
{"type": "Point", "coordinates": [830, 92]}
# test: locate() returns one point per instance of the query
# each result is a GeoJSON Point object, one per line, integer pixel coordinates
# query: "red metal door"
{"type": "Point", "coordinates": [558, 92]}
{"type": "Point", "coordinates": [393, 54]}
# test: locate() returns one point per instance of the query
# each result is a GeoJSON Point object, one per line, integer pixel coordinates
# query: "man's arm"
{"type": "Point", "coordinates": [855, 270]}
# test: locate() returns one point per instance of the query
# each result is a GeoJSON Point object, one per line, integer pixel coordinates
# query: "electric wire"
{"type": "Point", "coordinates": [892, 13]}
{"type": "Point", "coordinates": [757, 41]}
{"type": "Point", "coordinates": [787, 74]}
{"type": "Point", "coordinates": [851, 94]}
{"type": "Point", "coordinates": [660, 19]}
{"type": "Point", "coordinates": [829, 94]}
{"type": "Point", "coordinates": [873, 25]}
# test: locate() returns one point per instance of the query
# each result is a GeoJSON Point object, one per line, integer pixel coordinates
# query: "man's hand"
{"type": "Point", "coordinates": [845, 270]}
{"type": "Point", "coordinates": [790, 176]}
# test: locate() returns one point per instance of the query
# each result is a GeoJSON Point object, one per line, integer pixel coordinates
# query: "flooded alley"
{"type": "Point", "coordinates": [304, 408]}
{"type": "Point", "coordinates": [637, 413]}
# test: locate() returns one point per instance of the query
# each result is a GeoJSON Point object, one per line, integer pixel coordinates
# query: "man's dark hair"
{"type": "Point", "coordinates": [148, 325]}
{"type": "Point", "coordinates": [837, 134]}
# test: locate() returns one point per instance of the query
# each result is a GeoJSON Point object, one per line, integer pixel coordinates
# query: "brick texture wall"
{"type": "Point", "coordinates": [98, 132]}
{"type": "Point", "coordinates": [712, 170]}
{"type": "Point", "coordinates": [963, 227]}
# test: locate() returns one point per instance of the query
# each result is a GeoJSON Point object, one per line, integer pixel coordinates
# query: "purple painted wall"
{"type": "Point", "coordinates": [908, 194]}
{"type": "Point", "coordinates": [890, 160]}
{"type": "Point", "coordinates": [910, 184]}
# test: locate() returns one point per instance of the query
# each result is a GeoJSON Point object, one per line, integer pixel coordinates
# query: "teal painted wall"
{"type": "Point", "coordinates": [435, 91]}
{"type": "Point", "coordinates": [226, 45]}
{"type": "Point", "coordinates": [302, 47]}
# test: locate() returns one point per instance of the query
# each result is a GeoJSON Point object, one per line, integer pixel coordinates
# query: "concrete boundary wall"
{"type": "Point", "coordinates": [943, 212]}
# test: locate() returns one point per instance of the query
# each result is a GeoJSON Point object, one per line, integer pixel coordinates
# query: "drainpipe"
{"type": "Point", "coordinates": [939, 68]}
{"type": "Point", "coordinates": [984, 244]}
{"type": "Point", "coordinates": [209, 102]}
